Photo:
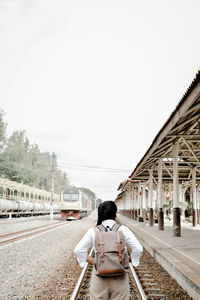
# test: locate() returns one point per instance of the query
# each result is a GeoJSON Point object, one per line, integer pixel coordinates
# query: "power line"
{"type": "Point", "coordinates": [8, 167]}
{"type": "Point", "coordinates": [15, 163]}
{"type": "Point", "coordinates": [90, 168]}
{"type": "Point", "coordinates": [24, 170]}
{"type": "Point", "coordinates": [64, 165]}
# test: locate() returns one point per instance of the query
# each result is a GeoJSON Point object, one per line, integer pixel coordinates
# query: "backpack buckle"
{"type": "Point", "coordinates": [102, 257]}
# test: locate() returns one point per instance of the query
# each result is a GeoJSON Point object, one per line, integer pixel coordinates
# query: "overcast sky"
{"type": "Point", "coordinates": [94, 81]}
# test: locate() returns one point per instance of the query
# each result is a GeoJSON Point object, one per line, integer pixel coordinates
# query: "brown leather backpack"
{"type": "Point", "coordinates": [111, 258]}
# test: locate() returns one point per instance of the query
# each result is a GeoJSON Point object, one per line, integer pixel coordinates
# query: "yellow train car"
{"type": "Point", "coordinates": [18, 199]}
{"type": "Point", "coordinates": [75, 205]}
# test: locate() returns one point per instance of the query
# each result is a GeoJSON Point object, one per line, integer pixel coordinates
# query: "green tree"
{"type": "Point", "coordinates": [15, 157]}
{"type": "Point", "coordinates": [2, 131]}
{"type": "Point", "coordinates": [98, 202]}
{"type": "Point", "coordinates": [22, 162]}
{"type": "Point", "coordinates": [61, 182]}
{"type": "Point", "coordinates": [90, 194]}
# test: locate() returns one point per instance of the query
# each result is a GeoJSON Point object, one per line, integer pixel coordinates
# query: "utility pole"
{"type": "Point", "coordinates": [53, 167]}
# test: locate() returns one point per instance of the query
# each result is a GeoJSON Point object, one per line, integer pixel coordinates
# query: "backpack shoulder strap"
{"type": "Point", "coordinates": [116, 227]}
{"type": "Point", "coordinates": [101, 228]}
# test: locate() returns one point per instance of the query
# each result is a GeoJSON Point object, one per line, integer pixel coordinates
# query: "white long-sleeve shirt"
{"type": "Point", "coordinates": [88, 240]}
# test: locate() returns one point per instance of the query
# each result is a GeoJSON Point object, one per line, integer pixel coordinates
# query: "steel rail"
{"type": "Point", "coordinates": [81, 277]}
{"type": "Point", "coordinates": [26, 230]}
{"type": "Point", "coordinates": [20, 237]}
{"type": "Point", "coordinates": [138, 284]}
{"type": "Point", "coordinates": [80, 280]}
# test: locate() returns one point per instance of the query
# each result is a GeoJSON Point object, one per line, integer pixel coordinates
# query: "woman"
{"type": "Point", "coordinates": [104, 288]}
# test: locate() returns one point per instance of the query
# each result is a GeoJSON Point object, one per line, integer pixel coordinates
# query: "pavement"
{"type": "Point", "coordinates": [180, 256]}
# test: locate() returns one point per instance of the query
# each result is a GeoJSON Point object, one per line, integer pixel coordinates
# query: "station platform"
{"type": "Point", "coordinates": [180, 256]}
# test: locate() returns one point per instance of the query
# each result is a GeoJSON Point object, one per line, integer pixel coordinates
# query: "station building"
{"type": "Point", "coordinates": [166, 181]}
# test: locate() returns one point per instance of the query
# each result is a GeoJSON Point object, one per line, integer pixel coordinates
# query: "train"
{"type": "Point", "coordinates": [18, 199]}
{"type": "Point", "coordinates": [75, 205]}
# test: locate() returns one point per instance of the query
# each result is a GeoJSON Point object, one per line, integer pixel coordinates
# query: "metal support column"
{"type": "Point", "coordinates": [144, 216]}
{"type": "Point", "coordinates": [198, 205]}
{"type": "Point", "coordinates": [130, 203]}
{"type": "Point", "coordinates": [139, 217]}
{"type": "Point", "coordinates": [132, 210]}
{"type": "Point", "coordinates": [135, 207]}
{"type": "Point", "coordinates": [52, 184]}
{"type": "Point", "coordinates": [194, 194]}
{"type": "Point", "coordinates": [150, 195]}
{"type": "Point", "coordinates": [160, 200]}
{"type": "Point", "coordinates": [176, 208]}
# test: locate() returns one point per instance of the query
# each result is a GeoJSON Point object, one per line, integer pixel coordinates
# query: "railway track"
{"type": "Point", "coordinates": [152, 289]}
{"type": "Point", "coordinates": [143, 284]}
{"type": "Point", "coordinates": [18, 235]}
{"type": "Point", "coordinates": [82, 288]}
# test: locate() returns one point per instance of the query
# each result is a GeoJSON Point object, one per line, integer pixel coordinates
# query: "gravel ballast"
{"type": "Point", "coordinates": [43, 267]}
{"type": "Point", "coordinates": [30, 267]}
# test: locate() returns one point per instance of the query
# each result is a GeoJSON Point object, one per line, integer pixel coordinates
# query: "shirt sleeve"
{"type": "Point", "coordinates": [134, 244]}
{"type": "Point", "coordinates": [83, 245]}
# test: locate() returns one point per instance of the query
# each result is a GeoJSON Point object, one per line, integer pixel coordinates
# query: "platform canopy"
{"type": "Point", "coordinates": [182, 127]}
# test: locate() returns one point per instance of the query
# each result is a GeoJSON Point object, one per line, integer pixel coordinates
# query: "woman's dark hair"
{"type": "Point", "coordinates": [106, 210]}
